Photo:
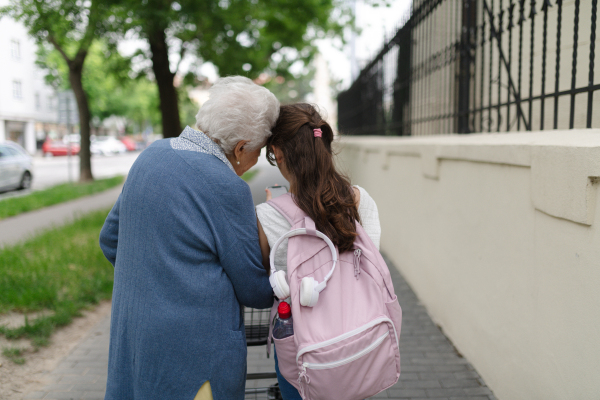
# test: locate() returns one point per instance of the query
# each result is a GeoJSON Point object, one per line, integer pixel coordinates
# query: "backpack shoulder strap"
{"type": "Point", "coordinates": [287, 207]}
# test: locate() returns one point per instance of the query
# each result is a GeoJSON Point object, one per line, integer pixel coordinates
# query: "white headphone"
{"type": "Point", "coordinates": [309, 287]}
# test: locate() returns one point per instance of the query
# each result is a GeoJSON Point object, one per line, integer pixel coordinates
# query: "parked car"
{"type": "Point", "coordinates": [15, 167]}
{"type": "Point", "coordinates": [106, 145]}
{"type": "Point", "coordinates": [130, 144]}
{"type": "Point", "coordinates": [59, 148]}
{"type": "Point", "coordinates": [73, 138]}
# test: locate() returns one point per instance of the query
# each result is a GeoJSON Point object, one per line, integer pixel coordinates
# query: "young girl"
{"type": "Point", "coordinates": [301, 147]}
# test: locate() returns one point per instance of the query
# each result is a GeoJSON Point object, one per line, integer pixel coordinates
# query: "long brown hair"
{"type": "Point", "coordinates": [319, 189]}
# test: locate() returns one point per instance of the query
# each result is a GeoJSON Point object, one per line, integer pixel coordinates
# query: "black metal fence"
{"type": "Point", "coordinates": [481, 66]}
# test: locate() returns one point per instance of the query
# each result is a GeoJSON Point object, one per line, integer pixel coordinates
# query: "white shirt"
{"type": "Point", "coordinates": [275, 225]}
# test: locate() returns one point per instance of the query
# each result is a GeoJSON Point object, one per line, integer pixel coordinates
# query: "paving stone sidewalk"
{"type": "Point", "coordinates": [431, 368]}
{"type": "Point", "coordinates": [82, 374]}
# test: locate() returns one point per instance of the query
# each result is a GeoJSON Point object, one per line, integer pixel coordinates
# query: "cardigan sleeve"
{"type": "Point", "coordinates": [239, 250]}
{"type": "Point", "coordinates": [109, 235]}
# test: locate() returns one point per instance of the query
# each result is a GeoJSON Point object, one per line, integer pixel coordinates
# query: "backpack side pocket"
{"type": "Point", "coordinates": [395, 312]}
{"type": "Point", "coordinates": [286, 359]}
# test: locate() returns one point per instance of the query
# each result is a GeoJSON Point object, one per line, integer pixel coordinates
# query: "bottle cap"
{"type": "Point", "coordinates": [284, 310]}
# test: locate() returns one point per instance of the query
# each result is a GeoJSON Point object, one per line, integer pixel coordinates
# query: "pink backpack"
{"type": "Point", "coordinates": [346, 340]}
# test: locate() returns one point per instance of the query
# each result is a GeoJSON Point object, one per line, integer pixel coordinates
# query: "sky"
{"type": "Point", "coordinates": [374, 24]}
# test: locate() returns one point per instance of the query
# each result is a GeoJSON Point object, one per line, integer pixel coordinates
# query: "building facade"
{"type": "Point", "coordinates": [28, 107]}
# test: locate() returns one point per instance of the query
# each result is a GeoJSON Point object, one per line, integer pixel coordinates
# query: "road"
{"type": "Point", "coordinates": [50, 171]}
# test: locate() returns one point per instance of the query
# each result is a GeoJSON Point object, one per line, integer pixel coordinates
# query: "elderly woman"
{"type": "Point", "coordinates": [184, 243]}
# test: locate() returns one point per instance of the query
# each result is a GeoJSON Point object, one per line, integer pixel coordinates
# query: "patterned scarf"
{"type": "Point", "coordinates": [193, 140]}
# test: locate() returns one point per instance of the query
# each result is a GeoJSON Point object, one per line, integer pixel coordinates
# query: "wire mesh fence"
{"type": "Point", "coordinates": [260, 385]}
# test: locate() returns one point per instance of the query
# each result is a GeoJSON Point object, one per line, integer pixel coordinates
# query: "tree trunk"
{"type": "Point", "coordinates": [169, 107]}
{"type": "Point", "coordinates": [85, 162]}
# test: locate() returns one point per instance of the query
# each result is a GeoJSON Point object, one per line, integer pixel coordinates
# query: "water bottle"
{"type": "Point", "coordinates": [284, 325]}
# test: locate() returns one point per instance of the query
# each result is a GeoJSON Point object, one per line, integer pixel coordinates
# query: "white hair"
{"type": "Point", "coordinates": [238, 109]}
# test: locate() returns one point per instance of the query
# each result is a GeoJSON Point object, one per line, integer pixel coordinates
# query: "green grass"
{"type": "Point", "coordinates": [248, 175]}
{"type": "Point", "coordinates": [54, 195]}
{"type": "Point", "coordinates": [62, 270]}
{"type": "Point", "coordinates": [14, 354]}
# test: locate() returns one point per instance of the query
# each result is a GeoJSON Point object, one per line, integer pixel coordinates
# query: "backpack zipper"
{"type": "Point", "coordinates": [347, 335]}
{"type": "Point", "coordinates": [357, 254]}
{"type": "Point", "coordinates": [335, 364]}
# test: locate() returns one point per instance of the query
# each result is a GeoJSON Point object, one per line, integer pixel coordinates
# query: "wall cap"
{"type": "Point", "coordinates": [565, 165]}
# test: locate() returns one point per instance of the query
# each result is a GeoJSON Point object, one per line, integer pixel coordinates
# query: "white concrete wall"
{"type": "Point", "coordinates": [499, 236]}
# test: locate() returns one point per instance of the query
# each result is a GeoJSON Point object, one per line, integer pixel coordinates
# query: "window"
{"type": "Point", "coordinates": [51, 103]}
{"type": "Point", "coordinates": [38, 104]}
{"type": "Point", "coordinates": [12, 152]}
{"type": "Point", "coordinates": [15, 49]}
{"type": "Point", "coordinates": [17, 90]}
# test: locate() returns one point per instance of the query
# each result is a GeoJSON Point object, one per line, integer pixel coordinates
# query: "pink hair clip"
{"type": "Point", "coordinates": [317, 132]}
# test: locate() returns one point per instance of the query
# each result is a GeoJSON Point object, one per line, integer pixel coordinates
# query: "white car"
{"type": "Point", "coordinates": [15, 167]}
{"type": "Point", "coordinates": [106, 145]}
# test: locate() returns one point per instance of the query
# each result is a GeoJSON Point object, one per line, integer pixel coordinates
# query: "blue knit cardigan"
{"type": "Point", "coordinates": [184, 243]}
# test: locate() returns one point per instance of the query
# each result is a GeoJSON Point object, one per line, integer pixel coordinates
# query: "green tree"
{"type": "Point", "coordinates": [107, 81]}
{"type": "Point", "coordinates": [70, 26]}
{"type": "Point", "coordinates": [291, 90]}
{"type": "Point", "coordinates": [237, 36]}
{"type": "Point", "coordinates": [142, 109]}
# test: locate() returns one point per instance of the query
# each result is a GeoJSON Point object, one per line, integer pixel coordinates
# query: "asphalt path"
{"type": "Point", "coordinates": [17, 229]}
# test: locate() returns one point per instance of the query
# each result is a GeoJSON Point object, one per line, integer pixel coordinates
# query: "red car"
{"type": "Point", "coordinates": [57, 148]}
{"type": "Point", "coordinates": [129, 143]}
